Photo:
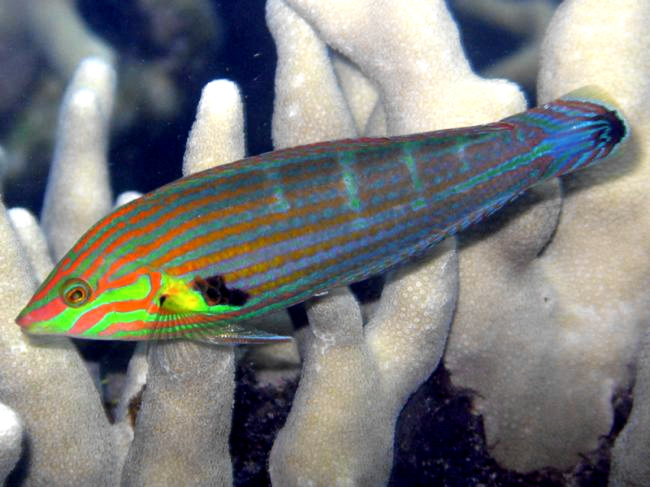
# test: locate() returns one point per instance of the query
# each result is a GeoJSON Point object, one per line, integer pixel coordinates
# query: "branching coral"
{"type": "Point", "coordinates": [181, 434]}
{"type": "Point", "coordinates": [11, 436]}
{"type": "Point", "coordinates": [61, 34]}
{"type": "Point", "coordinates": [51, 38]}
{"type": "Point", "coordinates": [186, 380]}
{"type": "Point", "coordinates": [68, 436]}
{"type": "Point", "coordinates": [55, 387]}
{"type": "Point", "coordinates": [404, 56]}
{"type": "Point", "coordinates": [80, 156]}
{"type": "Point", "coordinates": [355, 380]}
{"type": "Point", "coordinates": [550, 333]}
{"type": "Point", "coordinates": [632, 449]}
{"type": "Point", "coordinates": [547, 361]}
{"type": "Point", "coordinates": [528, 20]}
{"type": "Point", "coordinates": [33, 390]}
{"type": "Point", "coordinates": [42, 43]}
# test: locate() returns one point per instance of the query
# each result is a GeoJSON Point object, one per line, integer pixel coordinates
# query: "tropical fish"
{"type": "Point", "coordinates": [199, 257]}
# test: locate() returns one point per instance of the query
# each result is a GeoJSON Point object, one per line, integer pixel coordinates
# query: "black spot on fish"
{"type": "Point", "coordinates": [214, 291]}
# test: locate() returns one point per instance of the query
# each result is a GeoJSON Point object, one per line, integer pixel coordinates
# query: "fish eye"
{"type": "Point", "coordinates": [75, 292]}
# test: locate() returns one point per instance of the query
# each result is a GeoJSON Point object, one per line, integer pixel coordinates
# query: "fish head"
{"type": "Point", "coordinates": [81, 302]}
{"type": "Point", "coordinates": [137, 303]}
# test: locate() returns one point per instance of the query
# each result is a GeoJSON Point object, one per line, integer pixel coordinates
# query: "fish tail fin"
{"type": "Point", "coordinates": [592, 93]}
{"type": "Point", "coordinates": [586, 126]}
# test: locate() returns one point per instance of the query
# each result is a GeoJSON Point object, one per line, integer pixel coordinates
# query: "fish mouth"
{"type": "Point", "coordinates": [25, 319]}
{"type": "Point", "coordinates": [30, 324]}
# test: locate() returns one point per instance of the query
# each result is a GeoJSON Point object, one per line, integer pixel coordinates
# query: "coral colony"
{"type": "Point", "coordinates": [539, 317]}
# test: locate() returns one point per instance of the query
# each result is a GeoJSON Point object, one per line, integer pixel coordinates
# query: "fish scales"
{"type": "Point", "coordinates": [240, 240]}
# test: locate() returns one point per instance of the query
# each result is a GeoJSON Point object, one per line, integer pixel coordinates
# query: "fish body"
{"type": "Point", "coordinates": [197, 257]}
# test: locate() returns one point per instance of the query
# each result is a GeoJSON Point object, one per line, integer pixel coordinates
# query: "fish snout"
{"type": "Point", "coordinates": [25, 319]}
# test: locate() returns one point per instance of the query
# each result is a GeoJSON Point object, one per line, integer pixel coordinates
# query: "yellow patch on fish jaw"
{"type": "Point", "coordinates": [178, 296]}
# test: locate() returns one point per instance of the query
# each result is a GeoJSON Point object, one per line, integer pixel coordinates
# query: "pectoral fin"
{"type": "Point", "coordinates": [206, 327]}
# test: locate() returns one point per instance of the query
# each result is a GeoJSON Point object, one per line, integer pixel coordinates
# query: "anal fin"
{"type": "Point", "coordinates": [208, 328]}
{"type": "Point", "coordinates": [236, 335]}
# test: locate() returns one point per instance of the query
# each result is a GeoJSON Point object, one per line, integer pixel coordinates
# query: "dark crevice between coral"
{"type": "Point", "coordinates": [18, 475]}
{"type": "Point", "coordinates": [107, 363]}
{"type": "Point", "coordinates": [439, 440]}
{"type": "Point", "coordinates": [593, 470]}
{"type": "Point", "coordinates": [134, 406]}
{"type": "Point", "coordinates": [364, 291]}
{"type": "Point", "coordinates": [259, 413]}
{"type": "Point", "coordinates": [298, 315]}
{"type": "Point", "coordinates": [369, 289]}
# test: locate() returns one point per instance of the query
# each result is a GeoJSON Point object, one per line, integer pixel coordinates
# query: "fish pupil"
{"type": "Point", "coordinates": [76, 295]}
